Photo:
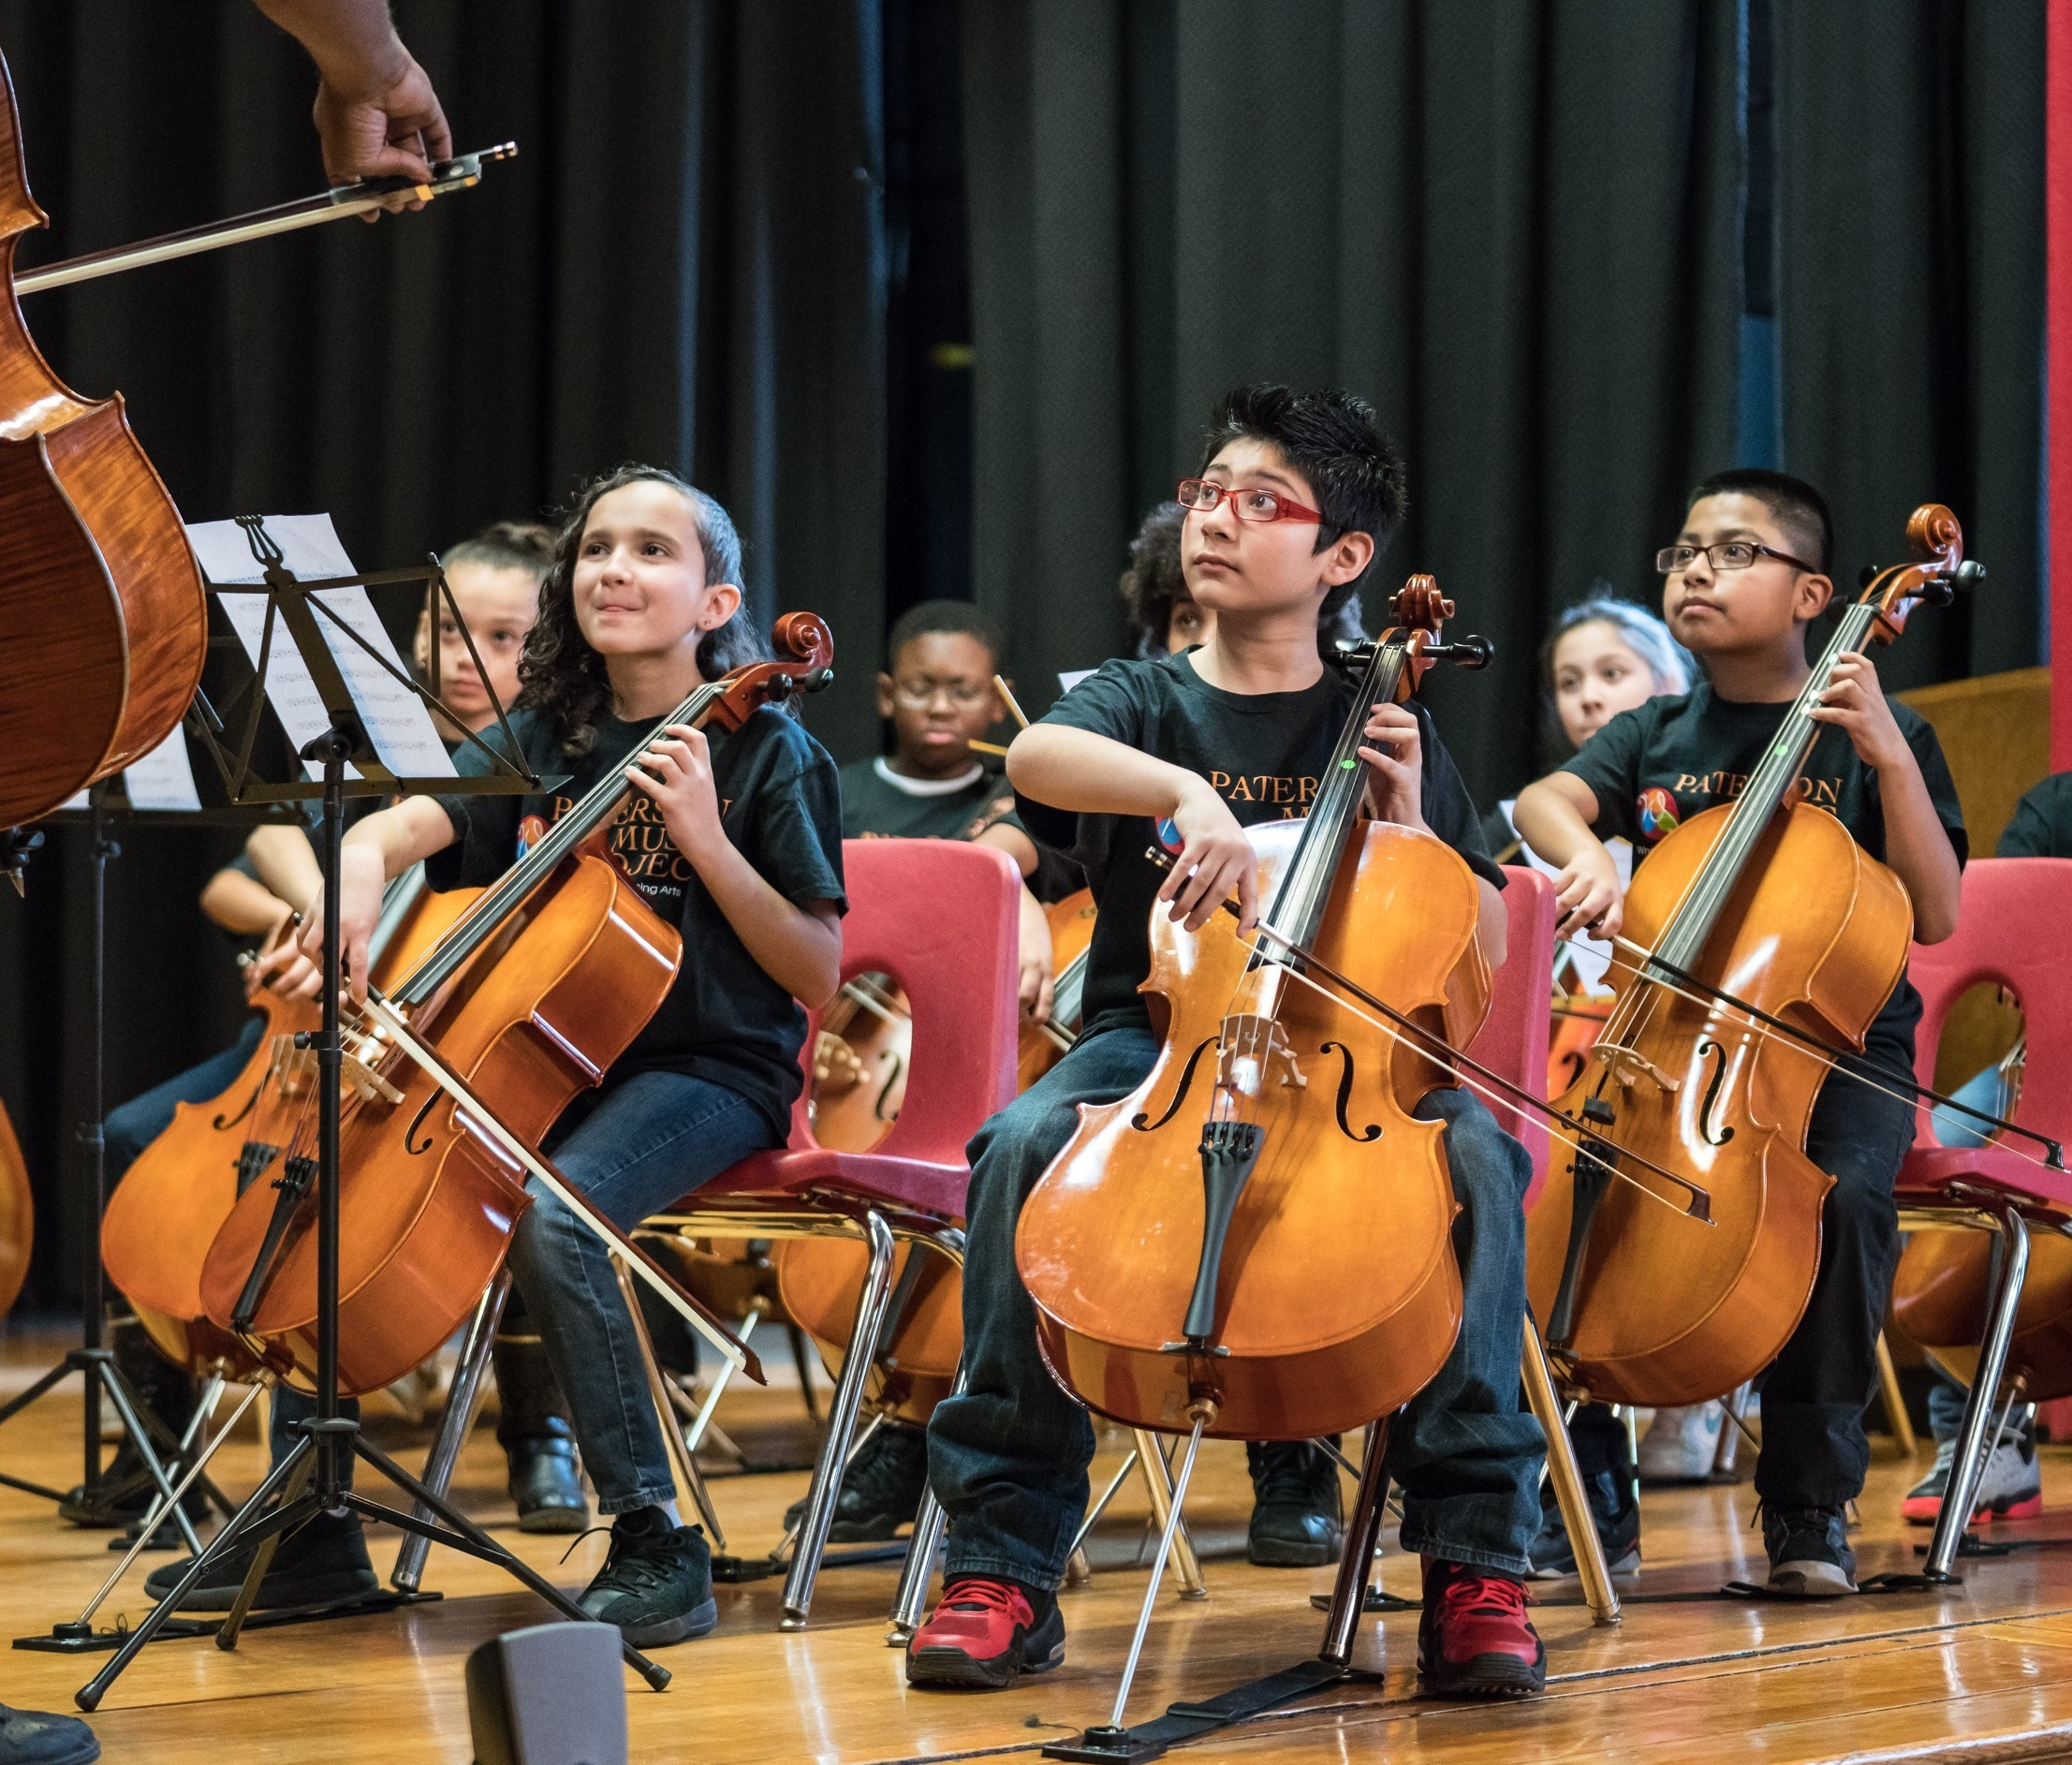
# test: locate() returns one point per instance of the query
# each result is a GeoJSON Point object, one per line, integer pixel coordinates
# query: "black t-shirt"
{"type": "Point", "coordinates": [725, 1020]}
{"type": "Point", "coordinates": [2041, 826]}
{"type": "Point", "coordinates": [875, 808]}
{"type": "Point", "coordinates": [1264, 753]}
{"type": "Point", "coordinates": [1655, 767]}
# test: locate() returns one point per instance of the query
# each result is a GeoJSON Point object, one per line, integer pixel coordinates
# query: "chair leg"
{"type": "Point", "coordinates": [1733, 1407]}
{"type": "Point", "coordinates": [461, 1401]}
{"type": "Point", "coordinates": [826, 1489]}
{"type": "Point", "coordinates": [1158, 1484]}
{"type": "Point", "coordinates": [1895, 1404]}
{"type": "Point", "coordinates": [1968, 1466]}
{"type": "Point", "coordinates": [911, 1601]}
{"type": "Point", "coordinates": [1568, 1490]}
{"type": "Point", "coordinates": [682, 1466]}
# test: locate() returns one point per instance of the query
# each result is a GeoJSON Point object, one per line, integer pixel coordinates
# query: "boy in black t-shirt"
{"type": "Point", "coordinates": [1296, 497]}
{"type": "Point", "coordinates": [1745, 577]}
{"type": "Point", "coordinates": [936, 691]}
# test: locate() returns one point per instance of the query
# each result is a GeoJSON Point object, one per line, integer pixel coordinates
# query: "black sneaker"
{"type": "Point", "coordinates": [1297, 1521]}
{"type": "Point", "coordinates": [881, 1491]}
{"type": "Point", "coordinates": [1618, 1519]}
{"type": "Point", "coordinates": [1809, 1552]}
{"type": "Point", "coordinates": [318, 1563]}
{"type": "Point", "coordinates": [656, 1585]}
{"type": "Point", "coordinates": [546, 1484]}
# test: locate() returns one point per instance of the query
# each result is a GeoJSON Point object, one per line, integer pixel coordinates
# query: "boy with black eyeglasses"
{"type": "Point", "coordinates": [1298, 494]}
{"type": "Point", "coordinates": [1745, 577]}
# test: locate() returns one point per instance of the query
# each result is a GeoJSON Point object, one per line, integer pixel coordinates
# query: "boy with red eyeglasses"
{"type": "Point", "coordinates": [1296, 498]}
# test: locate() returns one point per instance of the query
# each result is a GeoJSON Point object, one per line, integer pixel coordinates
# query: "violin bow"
{"type": "Point", "coordinates": [448, 175]}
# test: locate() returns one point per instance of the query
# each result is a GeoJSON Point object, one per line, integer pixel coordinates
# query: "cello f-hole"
{"type": "Point", "coordinates": [1141, 1121]}
{"type": "Point", "coordinates": [416, 1122]}
{"type": "Point", "coordinates": [1372, 1130]}
{"type": "Point", "coordinates": [1706, 1122]}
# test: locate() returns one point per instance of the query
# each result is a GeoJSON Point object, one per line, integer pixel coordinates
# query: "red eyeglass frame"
{"type": "Point", "coordinates": [1286, 507]}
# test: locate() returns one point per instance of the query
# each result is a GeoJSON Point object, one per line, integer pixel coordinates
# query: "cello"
{"type": "Point", "coordinates": [165, 1214]}
{"type": "Point", "coordinates": [1208, 1252]}
{"type": "Point", "coordinates": [527, 1002]}
{"type": "Point", "coordinates": [1766, 907]}
{"type": "Point", "coordinates": [100, 596]}
{"type": "Point", "coordinates": [17, 1217]}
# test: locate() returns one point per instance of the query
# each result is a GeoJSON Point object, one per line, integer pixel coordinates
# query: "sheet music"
{"type": "Point", "coordinates": [1070, 678]}
{"type": "Point", "coordinates": [164, 778]}
{"type": "Point", "coordinates": [395, 718]}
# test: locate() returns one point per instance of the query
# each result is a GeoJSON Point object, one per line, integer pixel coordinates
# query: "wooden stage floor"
{"type": "Point", "coordinates": [1979, 1673]}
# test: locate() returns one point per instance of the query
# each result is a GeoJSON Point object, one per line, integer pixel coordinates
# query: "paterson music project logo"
{"type": "Point", "coordinates": [531, 830]}
{"type": "Point", "coordinates": [1657, 813]}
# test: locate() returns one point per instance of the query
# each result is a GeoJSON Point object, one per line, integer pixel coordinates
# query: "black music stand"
{"type": "Point", "coordinates": [311, 1479]}
{"type": "Point", "coordinates": [163, 1456]}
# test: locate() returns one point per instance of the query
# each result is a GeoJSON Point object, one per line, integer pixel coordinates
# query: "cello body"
{"type": "Point", "coordinates": [1338, 1297]}
{"type": "Point", "coordinates": [17, 1217]}
{"type": "Point", "coordinates": [1939, 1298]}
{"type": "Point", "coordinates": [1672, 1310]}
{"type": "Point", "coordinates": [428, 1199]}
{"type": "Point", "coordinates": [100, 596]}
{"type": "Point", "coordinates": [166, 1212]}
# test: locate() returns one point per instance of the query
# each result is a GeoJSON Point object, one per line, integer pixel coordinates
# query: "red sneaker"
{"type": "Point", "coordinates": [984, 1633]}
{"type": "Point", "coordinates": [1473, 1639]}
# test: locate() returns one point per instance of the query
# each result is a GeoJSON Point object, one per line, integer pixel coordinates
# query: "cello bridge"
{"type": "Point", "coordinates": [1253, 1049]}
{"type": "Point", "coordinates": [1628, 1066]}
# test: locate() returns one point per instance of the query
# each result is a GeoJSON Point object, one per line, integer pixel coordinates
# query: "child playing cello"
{"type": "Point", "coordinates": [1297, 495]}
{"type": "Point", "coordinates": [1745, 577]}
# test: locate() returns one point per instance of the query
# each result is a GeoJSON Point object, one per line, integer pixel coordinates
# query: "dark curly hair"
{"type": "Point", "coordinates": [560, 675]}
{"type": "Point", "coordinates": [1155, 581]}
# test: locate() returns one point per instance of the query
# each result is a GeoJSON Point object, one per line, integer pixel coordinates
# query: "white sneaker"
{"type": "Point", "coordinates": [2010, 1487]}
{"type": "Point", "coordinates": [1681, 1443]}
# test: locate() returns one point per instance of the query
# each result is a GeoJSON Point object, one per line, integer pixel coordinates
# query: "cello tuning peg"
{"type": "Point", "coordinates": [1866, 576]}
{"type": "Point", "coordinates": [1470, 653]}
{"type": "Point", "coordinates": [1969, 575]}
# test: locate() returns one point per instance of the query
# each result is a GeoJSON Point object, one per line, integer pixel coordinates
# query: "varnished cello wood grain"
{"type": "Point", "coordinates": [1671, 1309]}
{"type": "Point", "coordinates": [1340, 1241]}
{"type": "Point", "coordinates": [17, 1215]}
{"type": "Point", "coordinates": [1982, 1672]}
{"type": "Point", "coordinates": [100, 597]}
{"type": "Point", "coordinates": [426, 1201]}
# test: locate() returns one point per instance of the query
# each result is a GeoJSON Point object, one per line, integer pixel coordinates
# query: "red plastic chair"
{"type": "Point", "coordinates": [2009, 930]}
{"type": "Point", "coordinates": [1514, 1037]}
{"type": "Point", "coordinates": [941, 918]}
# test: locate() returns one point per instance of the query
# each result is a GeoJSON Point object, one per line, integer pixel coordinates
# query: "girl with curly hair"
{"type": "Point", "coordinates": [736, 839]}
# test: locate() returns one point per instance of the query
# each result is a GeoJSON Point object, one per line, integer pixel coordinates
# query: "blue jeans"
{"type": "Point", "coordinates": [1008, 1458]}
{"type": "Point", "coordinates": [633, 1148]}
{"type": "Point", "coordinates": [133, 1126]}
